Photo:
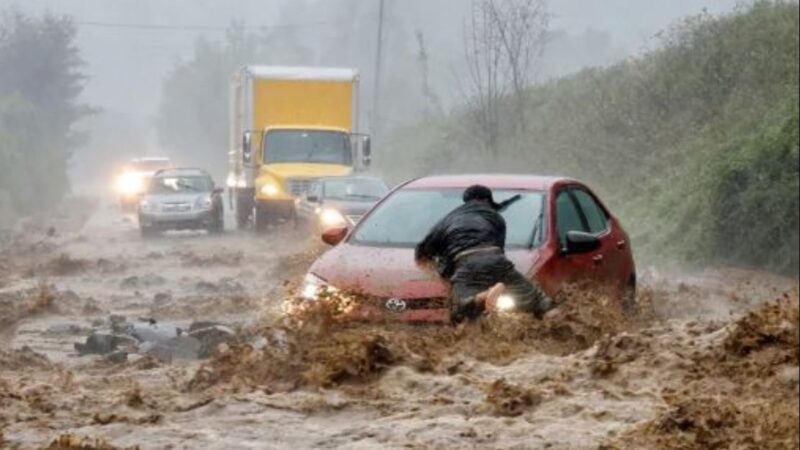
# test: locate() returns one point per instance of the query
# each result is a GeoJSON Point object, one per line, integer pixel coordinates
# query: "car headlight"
{"type": "Point", "coordinates": [203, 203]}
{"type": "Point", "coordinates": [270, 190]}
{"type": "Point", "coordinates": [313, 286]}
{"type": "Point", "coordinates": [506, 303]}
{"type": "Point", "coordinates": [331, 218]}
{"type": "Point", "coordinates": [130, 183]}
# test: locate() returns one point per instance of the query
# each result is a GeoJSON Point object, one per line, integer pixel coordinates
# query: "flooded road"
{"type": "Point", "coordinates": [692, 370]}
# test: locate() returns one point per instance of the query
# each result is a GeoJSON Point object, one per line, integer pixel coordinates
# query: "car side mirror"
{"type": "Point", "coordinates": [247, 147]}
{"type": "Point", "coordinates": [579, 242]}
{"type": "Point", "coordinates": [334, 236]}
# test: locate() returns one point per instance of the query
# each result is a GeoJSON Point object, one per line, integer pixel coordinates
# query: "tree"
{"type": "Point", "coordinates": [486, 87]}
{"type": "Point", "coordinates": [522, 26]}
{"type": "Point", "coordinates": [40, 86]}
{"type": "Point", "coordinates": [503, 40]}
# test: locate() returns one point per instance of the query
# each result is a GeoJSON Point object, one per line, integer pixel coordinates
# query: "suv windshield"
{"type": "Point", "coordinates": [355, 189]}
{"type": "Point", "coordinates": [175, 184]}
{"type": "Point", "coordinates": [404, 218]}
{"type": "Point", "coordinates": [326, 147]}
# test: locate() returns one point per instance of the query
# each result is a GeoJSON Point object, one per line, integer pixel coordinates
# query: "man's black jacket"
{"type": "Point", "coordinates": [472, 225]}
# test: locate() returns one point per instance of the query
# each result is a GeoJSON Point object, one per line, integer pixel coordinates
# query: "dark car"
{"type": "Point", "coordinates": [559, 234]}
{"type": "Point", "coordinates": [340, 201]}
{"type": "Point", "coordinates": [181, 199]}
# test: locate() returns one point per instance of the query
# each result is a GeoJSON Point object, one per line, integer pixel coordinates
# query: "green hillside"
{"type": "Point", "coordinates": [694, 144]}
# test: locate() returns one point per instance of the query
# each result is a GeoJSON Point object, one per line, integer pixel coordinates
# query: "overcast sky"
{"type": "Point", "coordinates": [126, 65]}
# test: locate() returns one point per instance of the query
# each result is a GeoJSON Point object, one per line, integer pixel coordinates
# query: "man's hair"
{"type": "Point", "coordinates": [479, 192]}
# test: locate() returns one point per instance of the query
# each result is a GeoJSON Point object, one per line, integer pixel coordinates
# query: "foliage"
{"type": "Point", "coordinates": [39, 88]}
{"type": "Point", "coordinates": [693, 144]}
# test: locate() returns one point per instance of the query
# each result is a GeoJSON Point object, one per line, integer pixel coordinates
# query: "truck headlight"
{"type": "Point", "coordinates": [313, 286]}
{"type": "Point", "coordinates": [270, 190]}
{"type": "Point", "coordinates": [331, 218]}
{"type": "Point", "coordinates": [506, 303]}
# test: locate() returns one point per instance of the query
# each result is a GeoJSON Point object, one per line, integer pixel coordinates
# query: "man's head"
{"type": "Point", "coordinates": [479, 193]}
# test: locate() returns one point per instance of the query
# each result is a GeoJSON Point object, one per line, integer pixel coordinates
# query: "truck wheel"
{"type": "Point", "coordinates": [244, 208]}
{"type": "Point", "coordinates": [262, 218]}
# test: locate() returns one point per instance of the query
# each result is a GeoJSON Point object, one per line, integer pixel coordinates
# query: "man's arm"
{"type": "Point", "coordinates": [431, 245]}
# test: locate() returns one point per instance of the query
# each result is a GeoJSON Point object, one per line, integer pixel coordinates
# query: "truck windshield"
{"type": "Point", "coordinates": [299, 146]}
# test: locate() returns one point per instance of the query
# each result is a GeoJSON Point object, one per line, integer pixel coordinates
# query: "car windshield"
{"type": "Point", "coordinates": [355, 189]}
{"type": "Point", "coordinates": [404, 218]}
{"type": "Point", "coordinates": [182, 184]}
{"type": "Point", "coordinates": [326, 147]}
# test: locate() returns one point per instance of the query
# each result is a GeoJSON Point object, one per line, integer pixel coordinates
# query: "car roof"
{"type": "Point", "coordinates": [492, 181]}
{"type": "Point", "coordinates": [185, 172]}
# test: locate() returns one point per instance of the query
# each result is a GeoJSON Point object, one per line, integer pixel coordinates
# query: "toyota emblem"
{"type": "Point", "coordinates": [396, 305]}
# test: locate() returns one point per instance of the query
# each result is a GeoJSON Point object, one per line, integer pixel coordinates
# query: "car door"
{"type": "Point", "coordinates": [617, 264]}
{"type": "Point", "coordinates": [608, 260]}
{"type": "Point", "coordinates": [570, 269]}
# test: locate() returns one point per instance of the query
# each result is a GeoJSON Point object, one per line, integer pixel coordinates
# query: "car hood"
{"type": "Point", "coordinates": [387, 272]}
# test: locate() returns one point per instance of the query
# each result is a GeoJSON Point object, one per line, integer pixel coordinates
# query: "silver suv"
{"type": "Point", "coordinates": [181, 199]}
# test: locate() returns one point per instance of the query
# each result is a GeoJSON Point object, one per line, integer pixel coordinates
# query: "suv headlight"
{"type": "Point", "coordinates": [313, 286]}
{"type": "Point", "coordinates": [203, 203]}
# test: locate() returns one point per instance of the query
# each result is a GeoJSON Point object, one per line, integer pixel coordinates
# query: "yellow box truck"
{"type": "Point", "coordinates": [290, 126]}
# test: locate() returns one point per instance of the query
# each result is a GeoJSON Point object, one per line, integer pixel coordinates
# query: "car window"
{"type": "Point", "coordinates": [568, 218]}
{"type": "Point", "coordinates": [404, 218]}
{"type": "Point", "coordinates": [598, 222]}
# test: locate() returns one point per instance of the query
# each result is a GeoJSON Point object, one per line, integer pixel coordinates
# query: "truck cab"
{"type": "Point", "coordinates": [290, 159]}
{"type": "Point", "coordinates": [290, 127]}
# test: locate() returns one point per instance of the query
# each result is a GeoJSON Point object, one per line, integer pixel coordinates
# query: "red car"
{"type": "Point", "coordinates": [558, 233]}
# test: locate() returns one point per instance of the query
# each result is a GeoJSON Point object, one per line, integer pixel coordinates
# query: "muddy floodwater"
{"type": "Point", "coordinates": [181, 344]}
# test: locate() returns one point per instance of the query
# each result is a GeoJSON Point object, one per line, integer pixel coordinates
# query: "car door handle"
{"type": "Point", "coordinates": [597, 259]}
{"type": "Point", "coordinates": [621, 244]}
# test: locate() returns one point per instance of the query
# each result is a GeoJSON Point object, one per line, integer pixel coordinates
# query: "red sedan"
{"type": "Point", "coordinates": [559, 233]}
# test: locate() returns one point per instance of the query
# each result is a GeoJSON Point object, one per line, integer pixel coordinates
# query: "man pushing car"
{"type": "Point", "coordinates": [467, 248]}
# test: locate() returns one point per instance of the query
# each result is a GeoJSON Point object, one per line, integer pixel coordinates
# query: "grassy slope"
{"type": "Point", "coordinates": [695, 144]}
